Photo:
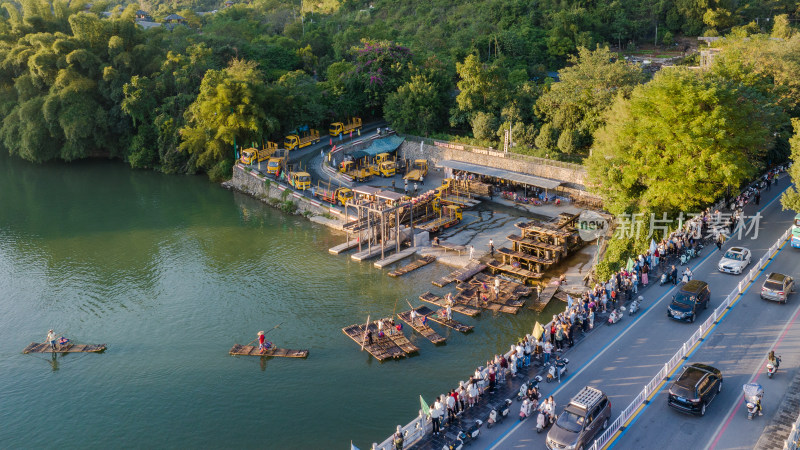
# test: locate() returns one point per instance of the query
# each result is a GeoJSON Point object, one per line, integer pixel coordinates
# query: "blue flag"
{"type": "Point", "coordinates": [569, 301]}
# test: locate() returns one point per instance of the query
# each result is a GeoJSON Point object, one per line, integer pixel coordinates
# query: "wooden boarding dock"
{"type": "Point", "coordinates": [544, 298]}
{"type": "Point", "coordinates": [461, 274]}
{"type": "Point", "coordinates": [457, 307]}
{"type": "Point", "coordinates": [441, 320]}
{"type": "Point", "coordinates": [412, 266]}
{"type": "Point", "coordinates": [252, 350]}
{"type": "Point", "coordinates": [36, 347]}
{"type": "Point", "coordinates": [423, 329]}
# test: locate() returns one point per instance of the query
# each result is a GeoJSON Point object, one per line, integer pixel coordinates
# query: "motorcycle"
{"type": "Point", "coordinates": [664, 279]}
{"type": "Point", "coordinates": [753, 392]}
{"type": "Point", "coordinates": [470, 433]}
{"type": "Point", "coordinates": [498, 413]}
{"type": "Point", "coordinates": [562, 370]}
{"type": "Point", "coordinates": [614, 317]}
{"type": "Point", "coordinates": [772, 368]}
{"type": "Point", "coordinates": [525, 409]}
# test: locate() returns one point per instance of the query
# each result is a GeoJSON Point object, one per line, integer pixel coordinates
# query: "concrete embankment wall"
{"type": "Point", "coordinates": [574, 175]}
{"type": "Point", "coordinates": [276, 194]}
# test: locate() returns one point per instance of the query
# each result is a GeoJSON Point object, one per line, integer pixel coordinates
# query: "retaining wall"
{"type": "Point", "coordinates": [435, 151]}
{"type": "Point", "coordinates": [271, 192]}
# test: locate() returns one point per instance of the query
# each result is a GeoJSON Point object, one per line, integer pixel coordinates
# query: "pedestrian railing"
{"type": "Point", "coordinates": [687, 346]}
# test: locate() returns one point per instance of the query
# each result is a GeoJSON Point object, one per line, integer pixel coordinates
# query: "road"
{"type": "Point", "coordinates": [620, 359]}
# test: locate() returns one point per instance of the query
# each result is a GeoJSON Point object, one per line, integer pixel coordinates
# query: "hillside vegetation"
{"type": "Point", "coordinates": [75, 83]}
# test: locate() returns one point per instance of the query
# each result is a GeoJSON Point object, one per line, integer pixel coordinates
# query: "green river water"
{"type": "Point", "coordinates": [170, 271]}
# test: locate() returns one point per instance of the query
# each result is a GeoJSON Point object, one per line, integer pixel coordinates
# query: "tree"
{"type": "Point", "coordinates": [791, 198]}
{"type": "Point", "coordinates": [678, 143]}
{"type": "Point", "coordinates": [482, 88]}
{"type": "Point", "coordinates": [576, 104]}
{"type": "Point", "coordinates": [229, 109]}
{"type": "Point", "coordinates": [415, 107]}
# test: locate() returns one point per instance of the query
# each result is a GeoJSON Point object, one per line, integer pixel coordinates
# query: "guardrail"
{"type": "Point", "coordinates": [679, 356]}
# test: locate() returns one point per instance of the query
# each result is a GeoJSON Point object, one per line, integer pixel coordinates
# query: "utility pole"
{"type": "Point", "coordinates": [655, 41]}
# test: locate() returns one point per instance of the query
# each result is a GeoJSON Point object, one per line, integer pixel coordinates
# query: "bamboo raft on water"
{"type": "Point", "coordinates": [442, 320]}
{"type": "Point", "coordinates": [424, 261]}
{"type": "Point", "coordinates": [382, 348]}
{"type": "Point", "coordinates": [457, 307]}
{"type": "Point", "coordinates": [36, 347]}
{"type": "Point", "coordinates": [420, 327]}
{"type": "Point", "coordinates": [252, 350]}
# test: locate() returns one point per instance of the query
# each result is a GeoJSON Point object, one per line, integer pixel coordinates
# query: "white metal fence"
{"type": "Point", "coordinates": [676, 360]}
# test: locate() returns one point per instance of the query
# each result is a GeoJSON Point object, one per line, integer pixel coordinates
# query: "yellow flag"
{"type": "Point", "coordinates": [538, 330]}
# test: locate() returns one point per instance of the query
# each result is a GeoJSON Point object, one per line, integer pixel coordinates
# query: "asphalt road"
{"type": "Point", "coordinates": [621, 358]}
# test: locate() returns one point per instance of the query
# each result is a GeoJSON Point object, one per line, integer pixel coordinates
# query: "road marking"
{"type": "Point", "coordinates": [643, 407]}
{"type": "Point", "coordinates": [600, 352]}
{"type": "Point", "coordinates": [723, 426]}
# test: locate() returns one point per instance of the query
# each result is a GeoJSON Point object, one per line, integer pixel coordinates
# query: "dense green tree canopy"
{"type": "Point", "coordinates": [679, 142]}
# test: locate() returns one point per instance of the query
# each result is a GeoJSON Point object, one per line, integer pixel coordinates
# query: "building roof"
{"type": "Point", "coordinates": [174, 17]}
{"type": "Point", "coordinates": [518, 177]}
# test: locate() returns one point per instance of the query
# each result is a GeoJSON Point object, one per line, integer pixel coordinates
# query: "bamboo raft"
{"type": "Point", "coordinates": [421, 328]}
{"type": "Point", "coordinates": [460, 275]}
{"type": "Point", "coordinates": [36, 347]}
{"type": "Point", "coordinates": [457, 307]}
{"type": "Point", "coordinates": [252, 350]}
{"type": "Point", "coordinates": [382, 348]}
{"type": "Point", "coordinates": [435, 316]}
{"type": "Point", "coordinates": [412, 266]}
{"type": "Point", "coordinates": [540, 303]}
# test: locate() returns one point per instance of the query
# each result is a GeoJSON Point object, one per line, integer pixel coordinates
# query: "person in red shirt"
{"type": "Point", "coordinates": [261, 341]}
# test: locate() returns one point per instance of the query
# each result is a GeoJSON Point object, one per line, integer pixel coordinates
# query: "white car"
{"type": "Point", "coordinates": [735, 260]}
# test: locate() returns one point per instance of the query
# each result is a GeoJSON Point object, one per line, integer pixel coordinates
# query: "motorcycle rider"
{"type": "Point", "coordinates": [559, 363]}
{"type": "Point", "coordinates": [674, 275]}
{"type": "Point", "coordinates": [774, 360]}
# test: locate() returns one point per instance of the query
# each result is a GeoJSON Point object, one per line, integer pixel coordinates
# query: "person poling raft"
{"type": "Point", "coordinates": [266, 348]}
{"type": "Point", "coordinates": [57, 343]}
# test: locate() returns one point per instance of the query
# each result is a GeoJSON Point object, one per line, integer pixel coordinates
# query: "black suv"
{"type": "Point", "coordinates": [687, 302]}
{"type": "Point", "coordinates": [587, 413]}
{"type": "Point", "coordinates": [694, 389]}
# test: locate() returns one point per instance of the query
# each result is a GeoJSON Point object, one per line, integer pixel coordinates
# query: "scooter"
{"type": "Point", "coordinates": [633, 307]}
{"type": "Point", "coordinates": [664, 279]}
{"type": "Point", "coordinates": [525, 409]}
{"type": "Point", "coordinates": [753, 392]}
{"type": "Point", "coordinates": [772, 368]}
{"type": "Point", "coordinates": [523, 390]}
{"type": "Point", "coordinates": [453, 444]}
{"type": "Point", "coordinates": [614, 317]}
{"type": "Point", "coordinates": [470, 433]}
{"type": "Point", "coordinates": [543, 421]}
{"type": "Point", "coordinates": [562, 371]}
{"type": "Point", "coordinates": [498, 413]}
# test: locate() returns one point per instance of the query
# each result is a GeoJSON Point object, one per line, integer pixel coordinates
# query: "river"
{"type": "Point", "coordinates": [170, 271]}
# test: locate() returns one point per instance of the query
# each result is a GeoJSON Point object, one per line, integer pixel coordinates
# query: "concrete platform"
{"type": "Point", "coordinates": [349, 245]}
{"type": "Point", "coordinates": [376, 250]}
{"type": "Point", "coordinates": [394, 258]}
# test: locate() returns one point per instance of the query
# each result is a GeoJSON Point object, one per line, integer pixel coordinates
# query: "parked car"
{"type": "Point", "coordinates": [735, 260]}
{"type": "Point", "coordinates": [777, 287]}
{"type": "Point", "coordinates": [688, 301]}
{"type": "Point", "coordinates": [585, 415]}
{"type": "Point", "coordinates": [695, 388]}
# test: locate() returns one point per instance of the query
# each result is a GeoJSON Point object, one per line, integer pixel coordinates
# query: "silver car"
{"type": "Point", "coordinates": [777, 287]}
{"type": "Point", "coordinates": [735, 260]}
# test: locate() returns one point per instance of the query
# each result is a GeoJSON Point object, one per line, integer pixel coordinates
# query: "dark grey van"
{"type": "Point", "coordinates": [587, 414]}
